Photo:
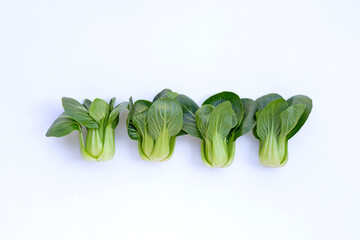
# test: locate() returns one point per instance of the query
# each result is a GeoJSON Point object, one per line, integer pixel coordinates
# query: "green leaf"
{"type": "Point", "coordinates": [233, 98]}
{"type": "Point", "coordinates": [268, 119]}
{"type": "Point", "coordinates": [115, 112]}
{"type": "Point", "coordinates": [181, 133]}
{"type": "Point", "coordinates": [87, 103]}
{"type": "Point", "coordinates": [162, 94]}
{"type": "Point", "coordinates": [189, 108]}
{"type": "Point", "coordinates": [248, 122]}
{"type": "Point", "coordinates": [165, 114]}
{"type": "Point", "coordinates": [261, 103]}
{"type": "Point", "coordinates": [265, 100]}
{"type": "Point", "coordinates": [78, 112]}
{"type": "Point", "coordinates": [290, 117]}
{"type": "Point", "coordinates": [297, 100]}
{"type": "Point", "coordinates": [221, 121]}
{"type": "Point", "coordinates": [132, 132]}
{"type": "Point", "coordinates": [112, 103]}
{"type": "Point", "coordinates": [202, 116]}
{"type": "Point", "coordinates": [99, 109]}
{"type": "Point", "coordinates": [137, 124]}
{"type": "Point", "coordinates": [172, 95]}
{"type": "Point", "coordinates": [62, 126]}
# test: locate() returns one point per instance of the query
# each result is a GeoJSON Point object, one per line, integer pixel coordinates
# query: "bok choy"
{"type": "Point", "coordinates": [220, 120]}
{"type": "Point", "coordinates": [98, 117]}
{"type": "Point", "coordinates": [279, 120]}
{"type": "Point", "coordinates": [155, 125]}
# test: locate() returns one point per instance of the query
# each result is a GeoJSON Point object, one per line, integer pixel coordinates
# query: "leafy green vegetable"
{"type": "Point", "coordinates": [221, 119]}
{"type": "Point", "coordinates": [277, 121]}
{"type": "Point", "coordinates": [155, 125]}
{"type": "Point", "coordinates": [100, 120]}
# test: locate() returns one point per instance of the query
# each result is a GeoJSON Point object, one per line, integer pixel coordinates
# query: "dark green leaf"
{"type": "Point", "coordinates": [62, 126]}
{"type": "Point", "coordinates": [78, 112]}
{"type": "Point", "coordinates": [87, 103]}
{"type": "Point", "coordinates": [189, 108]}
{"type": "Point", "coordinates": [248, 122]}
{"type": "Point", "coordinates": [162, 94]}
{"type": "Point", "coordinates": [137, 120]}
{"type": "Point", "coordinates": [181, 133]}
{"type": "Point", "coordinates": [266, 99]}
{"type": "Point", "coordinates": [236, 104]}
{"type": "Point", "coordinates": [296, 100]}
{"type": "Point", "coordinates": [233, 98]}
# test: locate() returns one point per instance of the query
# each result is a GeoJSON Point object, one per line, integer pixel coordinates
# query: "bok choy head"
{"type": "Point", "coordinates": [279, 120]}
{"type": "Point", "coordinates": [98, 117]}
{"type": "Point", "coordinates": [155, 125]}
{"type": "Point", "coordinates": [218, 123]}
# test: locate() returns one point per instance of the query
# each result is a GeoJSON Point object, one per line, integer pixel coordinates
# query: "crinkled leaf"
{"type": "Point", "coordinates": [189, 108]}
{"type": "Point", "coordinates": [78, 112]}
{"type": "Point", "coordinates": [202, 116]}
{"type": "Point", "coordinates": [296, 100]}
{"type": "Point", "coordinates": [268, 119]}
{"type": "Point", "coordinates": [290, 117]}
{"type": "Point", "coordinates": [248, 122]}
{"type": "Point", "coordinates": [165, 114]}
{"type": "Point", "coordinates": [62, 126]}
{"type": "Point", "coordinates": [221, 121]}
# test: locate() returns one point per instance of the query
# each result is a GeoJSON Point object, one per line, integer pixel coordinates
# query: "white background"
{"type": "Point", "coordinates": [88, 49]}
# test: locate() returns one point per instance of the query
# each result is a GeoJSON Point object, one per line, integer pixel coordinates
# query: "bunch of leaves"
{"type": "Point", "coordinates": [220, 120]}
{"type": "Point", "coordinates": [279, 120]}
{"type": "Point", "coordinates": [98, 117]}
{"type": "Point", "coordinates": [155, 125]}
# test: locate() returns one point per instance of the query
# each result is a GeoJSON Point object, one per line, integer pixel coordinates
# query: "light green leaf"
{"type": "Point", "coordinates": [165, 114]}
{"type": "Point", "coordinates": [99, 109]}
{"type": "Point", "coordinates": [78, 112]}
{"type": "Point", "coordinates": [202, 116]}
{"type": "Point", "coordinates": [221, 121]}
{"type": "Point", "coordinates": [62, 126]}
{"type": "Point", "coordinates": [115, 112]}
{"type": "Point", "coordinates": [112, 103]}
{"type": "Point", "coordinates": [268, 119]}
{"type": "Point", "coordinates": [290, 117]}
